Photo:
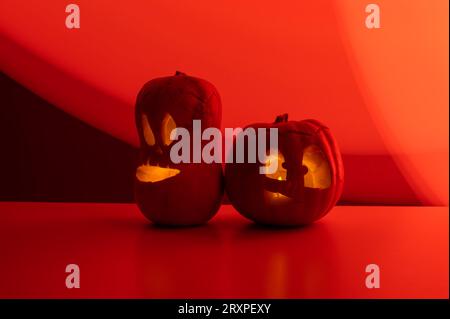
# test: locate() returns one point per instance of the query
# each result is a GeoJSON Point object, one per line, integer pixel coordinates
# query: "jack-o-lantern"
{"type": "Point", "coordinates": [169, 193]}
{"type": "Point", "coordinates": [304, 187]}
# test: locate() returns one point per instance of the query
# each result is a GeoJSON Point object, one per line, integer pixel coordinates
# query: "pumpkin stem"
{"type": "Point", "coordinates": [179, 73]}
{"type": "Point", "coordinates": [281, 118]}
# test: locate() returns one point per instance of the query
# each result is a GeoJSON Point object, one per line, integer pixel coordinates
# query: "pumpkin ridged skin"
{"type": "Point", "coordinates": [246, 188]}
{"type": "Point", "coordinates": [194, 195]}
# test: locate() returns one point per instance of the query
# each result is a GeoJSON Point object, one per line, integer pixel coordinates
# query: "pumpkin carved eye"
{"type": "Point", "coordinates": [148, 133]}
{"type": "Point", "coordinates": [281, 173]}
{"type": "Point", "coordinates": [167, 126]}
{"type": "Point", "coordinates": [318, 170]}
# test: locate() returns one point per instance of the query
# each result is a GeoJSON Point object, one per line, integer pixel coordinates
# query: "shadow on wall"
{"type": "Point", "coordinates": [47, 155]}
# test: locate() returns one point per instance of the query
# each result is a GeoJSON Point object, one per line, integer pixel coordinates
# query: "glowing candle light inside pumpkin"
{"type": "Point", "coordinates": [279, 175]}
{"type": "Point", "coordinates": [277, 195]}
{"type": "Point", "coordinates": [151, 174]}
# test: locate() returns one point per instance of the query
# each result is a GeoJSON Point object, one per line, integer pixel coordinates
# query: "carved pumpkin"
{"type": "Point", "coordinates": [168, 193]}
{"type": "Point", "coordinates": [306, 185]}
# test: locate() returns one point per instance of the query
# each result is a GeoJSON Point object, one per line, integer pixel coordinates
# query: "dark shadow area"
{"type": "Point", "coordinates": [48, 155]}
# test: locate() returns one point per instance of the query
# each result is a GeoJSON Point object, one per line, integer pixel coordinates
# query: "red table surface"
{"type": "Point", "coordinates": [121, 255]}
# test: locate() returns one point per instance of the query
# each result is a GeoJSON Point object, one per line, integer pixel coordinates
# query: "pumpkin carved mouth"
{"type": "Point", "coordinates": [275, 197]}
{"type": "Point", "coordinates": [151, 174]}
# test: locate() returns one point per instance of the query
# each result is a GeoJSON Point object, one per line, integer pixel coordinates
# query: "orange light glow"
{"type": "Point", "coordinates": [318, 175]}
{"type": "Point", "coordinates": [151, 174]}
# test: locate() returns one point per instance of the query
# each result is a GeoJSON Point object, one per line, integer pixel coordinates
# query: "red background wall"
{"type": "Point", "coordinates": [384, 93]}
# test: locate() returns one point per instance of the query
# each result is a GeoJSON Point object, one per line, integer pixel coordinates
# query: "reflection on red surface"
{"type": "Point", "coordinates": [288, 262]}
{"type": "Point", "coordinates": [244, 262]}
{"type": "Point", "coordinates": [121, 255]}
